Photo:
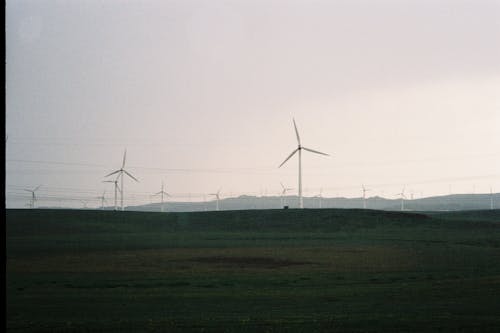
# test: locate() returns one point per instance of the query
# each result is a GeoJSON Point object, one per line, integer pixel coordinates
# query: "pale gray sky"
{"type": "Point", "coordinates": [202, 95]}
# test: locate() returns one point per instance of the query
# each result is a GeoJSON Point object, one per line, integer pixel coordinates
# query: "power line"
{"type": "Point", "coordinates": [183, 170]}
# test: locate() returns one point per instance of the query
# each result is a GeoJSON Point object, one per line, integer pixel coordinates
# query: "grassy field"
{"type": "Point", "coordinates": [329, 270]}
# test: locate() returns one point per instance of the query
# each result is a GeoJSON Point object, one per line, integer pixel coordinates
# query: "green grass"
{"type": "Point", "coordinates": [252, 271]}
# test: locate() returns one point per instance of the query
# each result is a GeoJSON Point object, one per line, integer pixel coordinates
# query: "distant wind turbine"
{"type": "Point", "coordinates": [299, 149]}
{"type": "Point", "coordinates": [364, 195]}
{"type": "Point", "coordinates": [120, 173]}
{"type": "Point", "coordinates": [103, 199]}
{"type": "Point", "coordinates": [33, 196]}
{"type": "Point", "coordinates": [283, 194]}
{"type": "Point", "coordinates": [117, 188]}
{"type": "Point", "coordinates": [162, 193]}
{"type": "Point", "coordinates": [217, 196]}
{"type": "Point", "coordinates": [320, 197]}
{"type": "Point", "coordinates": [402, 194]}
{"type": "Point", "coordinates": [491, 198]}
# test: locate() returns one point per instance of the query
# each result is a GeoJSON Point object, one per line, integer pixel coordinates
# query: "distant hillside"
{"type": "Point", "coordinates": [441, 203]}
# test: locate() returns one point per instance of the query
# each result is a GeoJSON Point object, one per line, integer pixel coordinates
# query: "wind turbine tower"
{"type": "Point", "coordinates": [283, 194]}
{"type": "Point", "coordinates": [320, 198]}
{"type": "Point", "coordinates": [33, 196]}
{"type": "Point", "coordinates": [162, 193]}
{"type": "Point", "coordinates": [217, 197]}
{"type": "Point", "coordinates": [491, 198]}
{"type": "Point", "coordinates": [103, 199]}
{"type": "Point", "coordinates": [120, 173]}
{"type": "Point", "coordinates": [364, 195]}
{"type": "Point", "coordinates": [117, 188]}
{"type": "Point", "coordinates": [299, 150]}
{"type": "Point", "coordinates": [402, 194]}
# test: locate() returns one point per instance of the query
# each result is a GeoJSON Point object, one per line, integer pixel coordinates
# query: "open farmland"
{"type": "Point", "coordinates": [252, 271]}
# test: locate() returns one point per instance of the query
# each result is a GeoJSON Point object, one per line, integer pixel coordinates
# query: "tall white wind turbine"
{"type": "Point", "coordinates": [33, 196]}
{"type": "Point", "coordinates": [299, 149]}
{"type": "Point", "coordinates": [364, 195]}
{"type": "Point", "coordinates": [217, 196]}
{"type": "Point", "coordinates": [162, 193]}
{"type": "Point", "coordinates": [120, 173]}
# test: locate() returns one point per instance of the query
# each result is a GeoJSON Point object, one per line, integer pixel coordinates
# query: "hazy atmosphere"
{"type": "Point", "coordinates": [202, 95]}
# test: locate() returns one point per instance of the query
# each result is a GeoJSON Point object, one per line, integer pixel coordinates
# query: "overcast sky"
{"type": "Point", "coordinates": [202, 96]}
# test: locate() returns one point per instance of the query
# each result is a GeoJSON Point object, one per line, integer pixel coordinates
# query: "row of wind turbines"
{"type": "Point", "coordinates": [122, 172]}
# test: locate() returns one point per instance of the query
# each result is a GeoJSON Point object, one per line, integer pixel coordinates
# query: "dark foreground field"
{"type": "Point", "coordinates": [252, 271]}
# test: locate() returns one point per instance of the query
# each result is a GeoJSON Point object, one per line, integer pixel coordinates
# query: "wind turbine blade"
{"type": "Point", "coordinates": [296, 132]}
{"type": "Point", "coordinates": [315, 151]}
{"type": "Point", "coordinates": [124, 157]}
{"type": "Point", "coordinates": [37, 188]}
{"type": "Point", "coordinates": [112, 173]}
{"type": "Point", "coordinates": [282, 185]}
{"type": "Point", "coordinates": [128, 174]}
{"type": "Point", "coordinates": [289, 157]}
{"type": "Point", "coordinates": [28, 190]}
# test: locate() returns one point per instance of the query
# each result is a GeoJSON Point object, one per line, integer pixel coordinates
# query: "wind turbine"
{"type": "Point", "coordinates": [364, 195]}
{"type": "Point", "coordinates": [103, 199]}
{"type": "Point", "coordinates": [117, 188]}
{"type": "Point", "coordinates": [283, 193]}
{"type": "Point", "coordinates": [320, 197]}
{"type": "Point", "coordinates": [120, 173]}
{"type": "Point", "coordinates": [402, 194]}
{"type": "Point", "coordinates": [491, 198]}
{"type": "Point", "coordinates": [33, 196]}
{"type": "Point", "coordinates": [299, 149]}
{"type": "Point", "coordinates": [162, 192]}
{"type": "Point", "coordinates": [84, 202]}
{"type": "Point", "coordinates": [217, 196]}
